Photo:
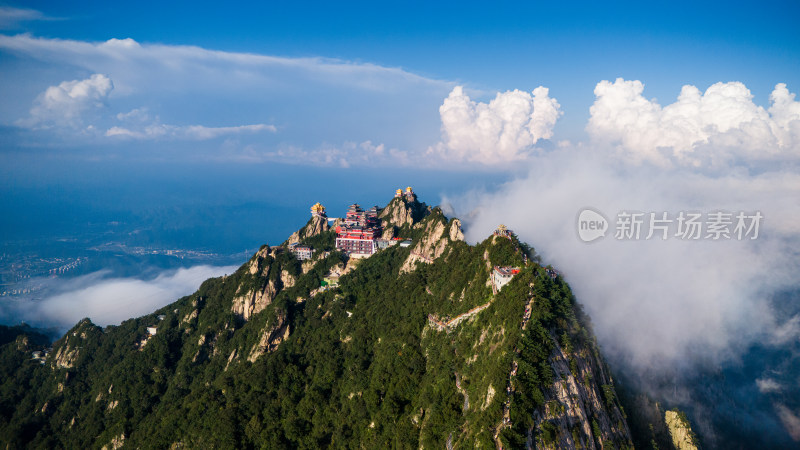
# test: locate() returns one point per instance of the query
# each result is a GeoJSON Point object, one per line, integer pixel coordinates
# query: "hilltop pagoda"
{"type": "Point", "coordinates": [317, 210]}
{"type": "Point", "coordinates": [503, 231]}
{"type": "Point", "coordinates": [410, 196]}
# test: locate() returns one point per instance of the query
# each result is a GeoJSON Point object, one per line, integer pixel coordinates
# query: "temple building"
{"type": "Point", "coordinates": [317, 210]}
{"type": "Point", "coordinates": [358, 233]}
{"type": "Point", "coordinates": [410, 196]}
{"type": "Point", "coordinates": [502, 231]}
{"type": "Point", "coordinates": [501, 275]}
{"type": "Point", "coordinates": [302, 252]}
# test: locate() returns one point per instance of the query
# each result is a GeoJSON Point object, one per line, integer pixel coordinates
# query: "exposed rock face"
{"type": "Point", "coordinates": [116, 442]}
{"type": "Point", "coordinates": [287, 279]}
{"type": "Point", "coordinates": [271, 337]}
{"type": "Point", "coordinates": [388, 232]}
{"type": "Point", "coordinates": [455, 231]}
{"type": "Point", "coordinates": [189, 317]}
{"type": "Point", "coordinates": [576, 402]}
{"type": "Point", "coordinates": [252, 301]}
{"type": "Point", "coordinates": [489, 397]}
{"type": "Point", "coordinates": [67, 354]}
{"type": "Point", "coordinates": [397, 213]}
{"type": "Point", "coordinates": [22, 343]}
{"type": "Point", "coordinates": [314, 227]}
{"type": "Point", "coordinates": [435, 239]}
{"type": "Point", "coordinates": [401, 211]}
{"type": "Point", "coordinates": [680, 430]}
{"type": "Point", "coordinates": [231, 358]}
{"type": "Point", "coordinates": [257, 261]}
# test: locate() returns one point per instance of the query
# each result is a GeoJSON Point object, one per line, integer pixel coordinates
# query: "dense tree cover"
{"type": "Point", "coordinates": [363, 366]}
{"type": "Point", "coordinates": [324, 241]}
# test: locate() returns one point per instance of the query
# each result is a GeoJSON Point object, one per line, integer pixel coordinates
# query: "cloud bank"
{"type": "Point", "coordinates": [167, 93]}
{"type": "Point", "coordinates": [674, 307]}
{"type": "Point", "coordinates": [501, 131]}
{"type": "Point", "coordinates": [72, 103]}
{"type": "Point", "coordinates": [715, 128]}
{"type": "Point", "coordinates": [655, 302]}
{"type": "Point", "coordinates": [109, 301]}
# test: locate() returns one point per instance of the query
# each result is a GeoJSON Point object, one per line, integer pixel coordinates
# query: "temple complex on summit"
{"type": "Point", "coordinates": [358, 232]}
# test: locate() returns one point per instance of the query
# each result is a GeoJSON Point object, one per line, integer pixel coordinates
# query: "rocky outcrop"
{"type": "Point", "coordinates": [397, 213]}
{"type": "Point", "coordinates": [116, 443]}
{"type": "Point", "coordinates": [65, 356]}
{"type": "Point", "coordinates": [259, 263]}
{"type": "Point", "coordinates": [455, 231]}
{"type": "Point", "coordinates": [287, 280]}
{"type": "Point", "coordinates": [271, 336]}
{"type": "Point", "coordinates": [581, 404]}
{"type": "Point", "coordinates": [68, 352]}
{"type": "Point", "coordinates": [680, 430]}
{"type": "Point", "coordinates": [400, 212]}
{"type": "Point", "coordinates": [189, 317]}
{"type": "Point", "coordinates": [315, 226]}
{"type": "Point", "coordinates": [436, 236]}
{"type": "Point", "coordinates": [22, 343]}
{"type": "Point", "coordinates": [388, 232]}
{"type": "Point", "coordinates": [254, 301]}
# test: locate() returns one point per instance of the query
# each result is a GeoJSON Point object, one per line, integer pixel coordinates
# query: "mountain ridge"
{"type": "Point", "coordinates": [266, 357]}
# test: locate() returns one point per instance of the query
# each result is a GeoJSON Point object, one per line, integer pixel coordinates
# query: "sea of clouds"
{"type": "Point", "coordinates": [673, 305]}
{"type": "Point", "coordinates": [107, 299]}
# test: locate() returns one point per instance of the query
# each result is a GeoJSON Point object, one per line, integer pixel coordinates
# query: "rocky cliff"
{"type": "Point", "coordinates": [434, 237]}
{"type": "Point", "coordinates": [581, 409]}
{"type": "Point", "coordinates": [683, 437]}
{"type": "Point", "coordinates": [266, 279]}
{"type": "Point", "coordinates": [315, 226]}
{"type": "Point", "coordinates": [402, 213]}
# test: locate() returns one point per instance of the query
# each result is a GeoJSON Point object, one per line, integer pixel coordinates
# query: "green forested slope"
{"type": "Point", "coordinates": [421, 357]}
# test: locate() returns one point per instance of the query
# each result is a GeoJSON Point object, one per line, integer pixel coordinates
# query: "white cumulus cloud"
{"type": "Point", "coordinates": [717, 127]}
{"type": "Point", "coordinates": [501, 131]}
{"type": "Point", "coordinates": [65, 104]}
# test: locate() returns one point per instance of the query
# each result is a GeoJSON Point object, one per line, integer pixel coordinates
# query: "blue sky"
{"type": "Point", "coordinates": [567, 48]}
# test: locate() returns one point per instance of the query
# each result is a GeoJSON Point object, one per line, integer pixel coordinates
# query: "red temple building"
{"type": "Point", "coordinates": [358, 233]}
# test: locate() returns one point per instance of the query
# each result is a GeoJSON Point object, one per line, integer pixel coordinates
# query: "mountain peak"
{"type": "Point", "coordinates": [412, 345]}
{"type": "Point", "coordinates": [403, 212]}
